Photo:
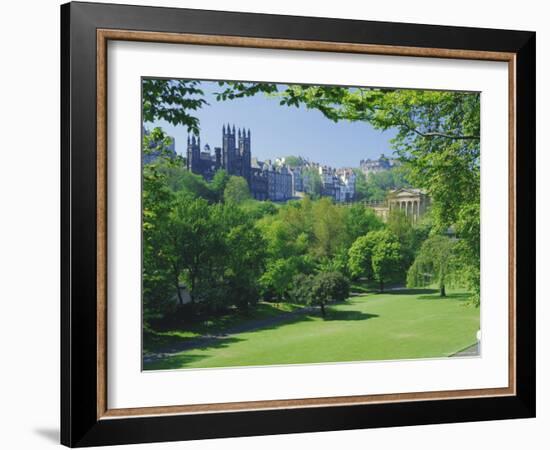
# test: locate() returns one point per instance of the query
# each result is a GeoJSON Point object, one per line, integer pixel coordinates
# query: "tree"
{"type": "Point", "coordinates": [376, 256]}
{"type": "Point", "coordinates": [313, 183]}
{"type": "Point", "coordinates": [360, 258]}
{"type": "Point", "coordinates": [278, 276]}
{"type": "Point", "coordinates": [194, 243]}
{"type": "Point", "coordinates": [172, 101]}
{"type": "Point", "coordinates": [387, 258]}
{"type": "Point", "coordinates": [294, 161]}
{"type": "Point", "coordinates": [378, 184]}
{"type": "Point", "coordinates": [219, 183]}
{"type": "Point", "coordinates": [328, 227]}
{"type": "Point", "coordinates": [358, 221]}
{"type": "Point", "coordinates": [156, 144]}
{"type": "Point", "coordinates": [157, 198]}
{"type": "Point", "coordinates": [433, 263]}
{"type": "Point", "coordinates": [327, 287]}
{"type": "Point", "coordinates": [236, 190]}
{"type": "Point", "coordinates": [301, 288]}
{"type": "Point", "coordinates": [243, 261]}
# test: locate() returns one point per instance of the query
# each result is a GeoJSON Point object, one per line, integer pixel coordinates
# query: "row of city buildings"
{"type": "Point", "coordinates": [278, 181]}
{"type": "Point", "coordinates": [267, 180]}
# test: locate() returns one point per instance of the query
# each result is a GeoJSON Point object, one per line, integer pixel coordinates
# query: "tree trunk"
{"type": "Point", "coordinates": [381, 285]}
{"type": "Point", "coordinates": [442, 292]}
{"type": "Point", "coordinates": [180, 298]}
{"type": "Point", "coordinates": [323, 309]}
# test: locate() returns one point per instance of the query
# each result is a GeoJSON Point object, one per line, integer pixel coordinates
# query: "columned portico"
{"type": "Point", "coordinates": [412, 202]}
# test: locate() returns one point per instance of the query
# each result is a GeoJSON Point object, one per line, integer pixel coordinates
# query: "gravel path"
{"type": "Point", "coordinates": [473, 350]}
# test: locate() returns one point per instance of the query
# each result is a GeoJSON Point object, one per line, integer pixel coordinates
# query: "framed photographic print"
{"type": "Point", "coordinates": [276, 224]}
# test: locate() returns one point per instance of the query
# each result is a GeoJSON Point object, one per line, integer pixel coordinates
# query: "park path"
{"type": "Point", "coordinates": [472, 350]}
{"type": "Point", "coordinates": [210, 339]}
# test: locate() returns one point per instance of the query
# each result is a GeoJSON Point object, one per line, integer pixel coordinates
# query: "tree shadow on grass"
{"type": "Point", "coordinates": [411, 292]}
{"type": "Point", "coordinates": [173, 362]}
{"type": "Point", "coordinates": [348, 315]}
{"type": "Point", "coordinates": [166, 360]}
{"type": "Point", "coordinates": [461, 297]}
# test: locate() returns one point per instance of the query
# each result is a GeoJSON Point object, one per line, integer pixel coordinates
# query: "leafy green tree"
{"type": "Point", "coordinates": [278, 276]}
{"type": "Point", "coordinates": [157, 198]}
{"type": "Point", "coordinates": [468, 249]}
{"type": "Point", "coordinates": [195, 240]}
{"type": "Point", "coordinates": [244, 258]}
{"type": "Point", "coordinates": [157, 143]}
{"type": "Point", "coordinates": [433, 263]}
{"type": "Point", "coordinates": [361, 189]}
{"type": "Point", "coordinates": [172, 101]}
{"type": "Point", "coordinates": [327, 287]}
{"type": "Point", "coordinates": [376, 256]}
{"type": "Point", "coordinates": [294, 161]}
{"type": "Point", "coordinates": [301, 288]}
{"type": "Point", "coordinates": [358, 221]}
{"type": "Point", "coordinates": [219, 183]}
{"type": "Point", "coordinates": [313, 183]}
{"type": "Point", "coordinates": [236, 190]}
{"type": "Point", "coordinates": [179, 179]}
{"type": "Point", "coordinates": [377, 185]}
{"type": "Point", "coordinates": [337, 263]}
{"type": "Point", "coordinates": [328, 227]}
{"type": "Point", "coordinates": [256, 209]}
{"type": "Point", "coordinates": [360, 258]}
{"type": "Point", "coordinates": [387, 258]}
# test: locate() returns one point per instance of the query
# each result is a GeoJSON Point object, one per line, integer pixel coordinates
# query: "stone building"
{"type": "Point", "coordinates": [297, 181]}
{"type": "Point", "coordinates": [234, 156]}
{"type": "Point", "coordinates": [346, 184]}
{"type": "Point", "coordinates": [279, 182]}
{"type": "Point", "coordinates": [381, 164]}
{"type": "Point", "coordinates": [259, 183]}
{"type": "Point", "coordinates": [413, 202]}
{"type": "Point", "coordinates": [265, 180]}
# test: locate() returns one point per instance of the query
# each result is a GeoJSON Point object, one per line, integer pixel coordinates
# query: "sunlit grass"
{"type": "Point", "coordinates": [395, 325]}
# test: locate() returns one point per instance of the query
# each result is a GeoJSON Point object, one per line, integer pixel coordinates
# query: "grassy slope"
{"type": "Point", "coordinates": [415, 324]}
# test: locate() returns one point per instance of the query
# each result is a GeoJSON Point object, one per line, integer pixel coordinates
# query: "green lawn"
{"type": "Point", "coordinates": [397, 325]}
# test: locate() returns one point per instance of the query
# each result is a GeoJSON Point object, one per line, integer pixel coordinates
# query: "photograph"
{"type": "Point", "coordinates": [287, 223]}
{"type": "Point", "coordinates": [284, 223]}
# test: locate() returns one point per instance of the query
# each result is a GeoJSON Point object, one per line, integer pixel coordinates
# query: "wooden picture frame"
{"type": "Point", "coordinates": [86, 418]}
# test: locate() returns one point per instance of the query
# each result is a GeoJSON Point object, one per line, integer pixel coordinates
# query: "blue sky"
{"type": "Point", "coordinates": [281, 130]}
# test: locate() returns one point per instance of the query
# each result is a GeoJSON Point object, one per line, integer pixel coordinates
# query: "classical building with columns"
{"type": "Point", "coordinates": [413, 202]}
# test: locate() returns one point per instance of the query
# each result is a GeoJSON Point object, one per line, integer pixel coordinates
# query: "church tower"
{"type": "Point", "coordinates": [244, 150]}
{"type": "Point", "coordinates": [229, 149]}
{"type": "Point", "coordinates": [193, 154]}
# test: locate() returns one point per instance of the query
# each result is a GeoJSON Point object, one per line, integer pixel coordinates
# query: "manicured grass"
{"type": "Point", "coordinates": [397, 325]}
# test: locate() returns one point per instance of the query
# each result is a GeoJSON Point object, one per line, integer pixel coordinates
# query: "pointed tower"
{"type": "Point", "coordinates": [193, 154]}
{"type": "Point", "coordinates": [228, 150]}
{"type": "Point", "coordinates": [246, 154]}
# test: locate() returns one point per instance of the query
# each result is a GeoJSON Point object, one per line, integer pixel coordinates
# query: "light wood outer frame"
{"type": "Point", "coordinates": [103, 36]}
